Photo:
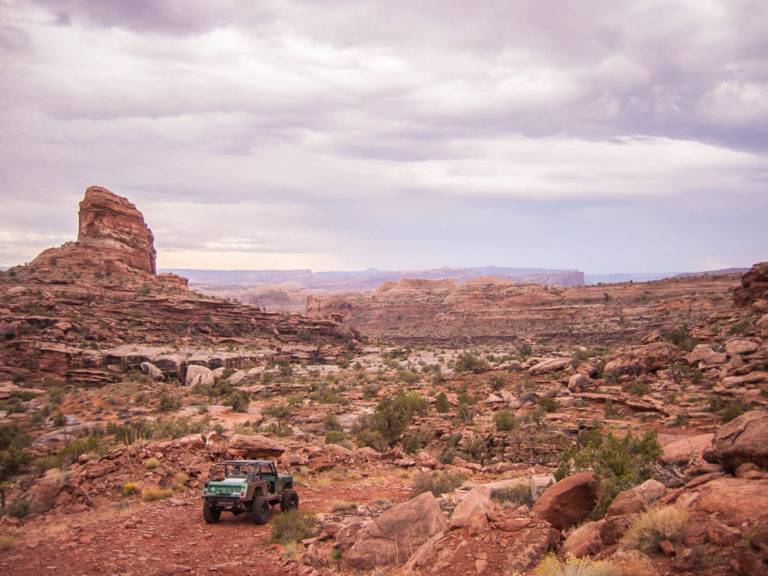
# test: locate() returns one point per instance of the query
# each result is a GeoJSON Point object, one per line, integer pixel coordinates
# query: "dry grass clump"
{"type": "Point", "coordinates": [151, 463]}
{"type": "Point", "coordinates": [7, 542]}
{"type": "Point", "coordinates": [152, 493]}
{"type": "Point", "coordinates": [654, 526]}
{"type": "Point", "coordinates": [180, 481]}
{"type": "Point", "coordinates": [550, 565]}
{"type": "Point", "coordinates": [342, 506]}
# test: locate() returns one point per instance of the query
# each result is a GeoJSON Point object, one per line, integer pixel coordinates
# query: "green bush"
{"type": "Point", "coordinates": [505, 421]}
{"type": "Point", "coordinates": [549, 404]}
{"type": "Point", "coordinates": [468, 362]}
{"type": "Point", "coordinates": [441, 403]}
{"type": "Point", "coordinates": [331, 423]}
{"type": "Point", "coordinates": [393, 414]}
{"type": "Point", "coordinates": [618, 463]}
{"type": "Point", "coordinates": [335, 437]}
{"type": "Point", "coordinates": [516, 495]}
{"type": "Point", "coordinates": [239, 400]}
{"type": "Point", "coordinates": [293, 526]}
{"type": "Point", "coordinates": [436, 482]}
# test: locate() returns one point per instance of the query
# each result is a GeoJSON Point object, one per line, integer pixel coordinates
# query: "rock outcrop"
{"type": "Point", "coordinates": [743, 440]}
{"type": "Point", "coordinates": [116, 228]}
{"type": "Point", "coordinates": [112, 238]}
{"type": "Point", "coordinates": [392, 537]}
{"type": "Point", "coordinates": [754, 288]}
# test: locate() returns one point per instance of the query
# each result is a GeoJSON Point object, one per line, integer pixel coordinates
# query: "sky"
{"type": "Point", "coordinates": [605, 136]}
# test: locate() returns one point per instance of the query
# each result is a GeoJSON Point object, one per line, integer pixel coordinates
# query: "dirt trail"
{"type": "Point", "coordinates": [165, 537]}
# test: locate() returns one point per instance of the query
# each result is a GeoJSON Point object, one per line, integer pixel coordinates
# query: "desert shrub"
{"type": "Point", "coordinates": [152, 493]}
{"type": "Point", "coordinates": [549, 404]}
{"type": "Point", "coordinates": [638, 388]}
{"type": "Point", "coordinates": [681, 337]}
{"type": "Point", "coordinates": [618, 463]}
{"type": "Point", "coordinates": [441, 403]}
{"type": "Point", "coordinates": [18, 508]}
{"type": "Point", "coordinates": [168, 401]}
{"type": "Point", "coordinates": [130, 489]}
{"type": "Point", "coordinates": [151, 463]}
{"type": "Point", "coordinates": [280, 411]}
{"type": "Point", "coordinates": [59, 419]}
{"type": "Point", "coordinates": [71, 452]}
{"type": "Point", "coordinates": [436, 482]}
{"type": "Point", "coordinates": [372, 439]}
{"type": "Point", "coordinates": [293, 526]}
{"type": "Point", "coordinates": [550, 565]}
{"type": "Point", "coordinates": [515, 495]}
{"type": "Point", "coordinates": [498, 381]}
{"type": "Point", "coordinates": [450, 450]}
{"type": "Point", "coordinates": [733, 410]}
{"type": "Point", "coordinates": [654, 526]}
{"type": "Point", "coordinates": [417, 439]}
{"type": "Point", "coordinates": [505, 421]}
{"type": "Point", "coordinates": [465, 412]}
{"type": "Point", "coordinates": [468, 362]}
{"type": "Point", "coordinates": [239, 400]}
{"type": "Point", "coordinates": [335, 437]}
{"type": "Point", "coordinates": [523, 350]}
{"type": "Point", "coordinates": [280, 429]}
{"type": "Point", "coordinates": [394, 413]}
{"type": "Point", "coordinates": [331, 423]}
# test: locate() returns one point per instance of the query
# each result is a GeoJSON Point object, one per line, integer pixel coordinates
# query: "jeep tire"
{"type": "Point", "coordinates": [210, 515]}
{"type": "Point", "coordinates": [289, 501]}
{"type": "Point", "coordinates": [260, 510]}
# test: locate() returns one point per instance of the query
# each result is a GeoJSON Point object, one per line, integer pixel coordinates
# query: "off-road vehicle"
{"type": "Point", "coordinates": [247, 485]}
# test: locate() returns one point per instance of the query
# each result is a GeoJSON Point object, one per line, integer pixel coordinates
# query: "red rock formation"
{"type": "Point", "coordinates": [754, 288]}
{"type": "Point", "coordinates": [114, 225]}
{"type": "Point", "coordinates": [112, 239]}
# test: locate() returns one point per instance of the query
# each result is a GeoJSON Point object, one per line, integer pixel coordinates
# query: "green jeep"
{"type": "Point", "coordinates": [242, 485]}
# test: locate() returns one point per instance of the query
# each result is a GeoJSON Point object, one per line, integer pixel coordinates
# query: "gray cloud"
{"type": "Point", "coordinates": [449, 131]}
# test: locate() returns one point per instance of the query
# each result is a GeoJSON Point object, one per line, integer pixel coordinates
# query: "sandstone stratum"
{"type": "Point", "coordinates": [432, 427]}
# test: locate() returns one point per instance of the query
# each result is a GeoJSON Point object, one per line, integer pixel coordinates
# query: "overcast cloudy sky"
{"type": "Point", "coordinates": [609, 135]}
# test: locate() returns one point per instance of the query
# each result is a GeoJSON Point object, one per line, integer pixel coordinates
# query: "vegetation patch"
{"type": "Point", "coordinates": [293, 526]}
{"type": "Point", "coordinates": [436, 482]}
{"type": "Point", "coordinates": [653, 527]}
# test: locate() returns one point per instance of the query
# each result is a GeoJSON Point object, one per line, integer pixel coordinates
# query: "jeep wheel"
{"type": "Point", "coordinates": [290, 500]}
{"type": "Point", "coordinates": [211, 515]}
{"type": "Point", "coordinates": [260, 510]}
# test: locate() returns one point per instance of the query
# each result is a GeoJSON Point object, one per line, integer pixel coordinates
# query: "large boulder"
{"type": "Point", "coordinates": [681, 452]}
{"type": "Point", "coordinates": [569, 501]}
{"type": "Point", "coordinates": [549, 365]}
{"type": "Point", "coordinates": [42, 495]}
{"type": "Point", "coordinates": [255, 446]}
{"type": "Point", "coordinates": [391, 538]}
{"type": "Point", "coordinates": [583, 541]}
{"type": "Point", "coordinates": [744, 439]}
{"type": "Point", "coordinates": [199, 375]}
{"type": "Point", "coordinates": [472, 511]}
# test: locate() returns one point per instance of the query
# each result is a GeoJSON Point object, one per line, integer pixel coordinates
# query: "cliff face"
{"type": "Point", "coordinates": [113, 225]}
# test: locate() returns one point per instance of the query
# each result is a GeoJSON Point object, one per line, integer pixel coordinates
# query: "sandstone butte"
{"type": "Point", "coordinates": [78, 309]}
{"type": "Point", "coordinates": [117, 388]}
